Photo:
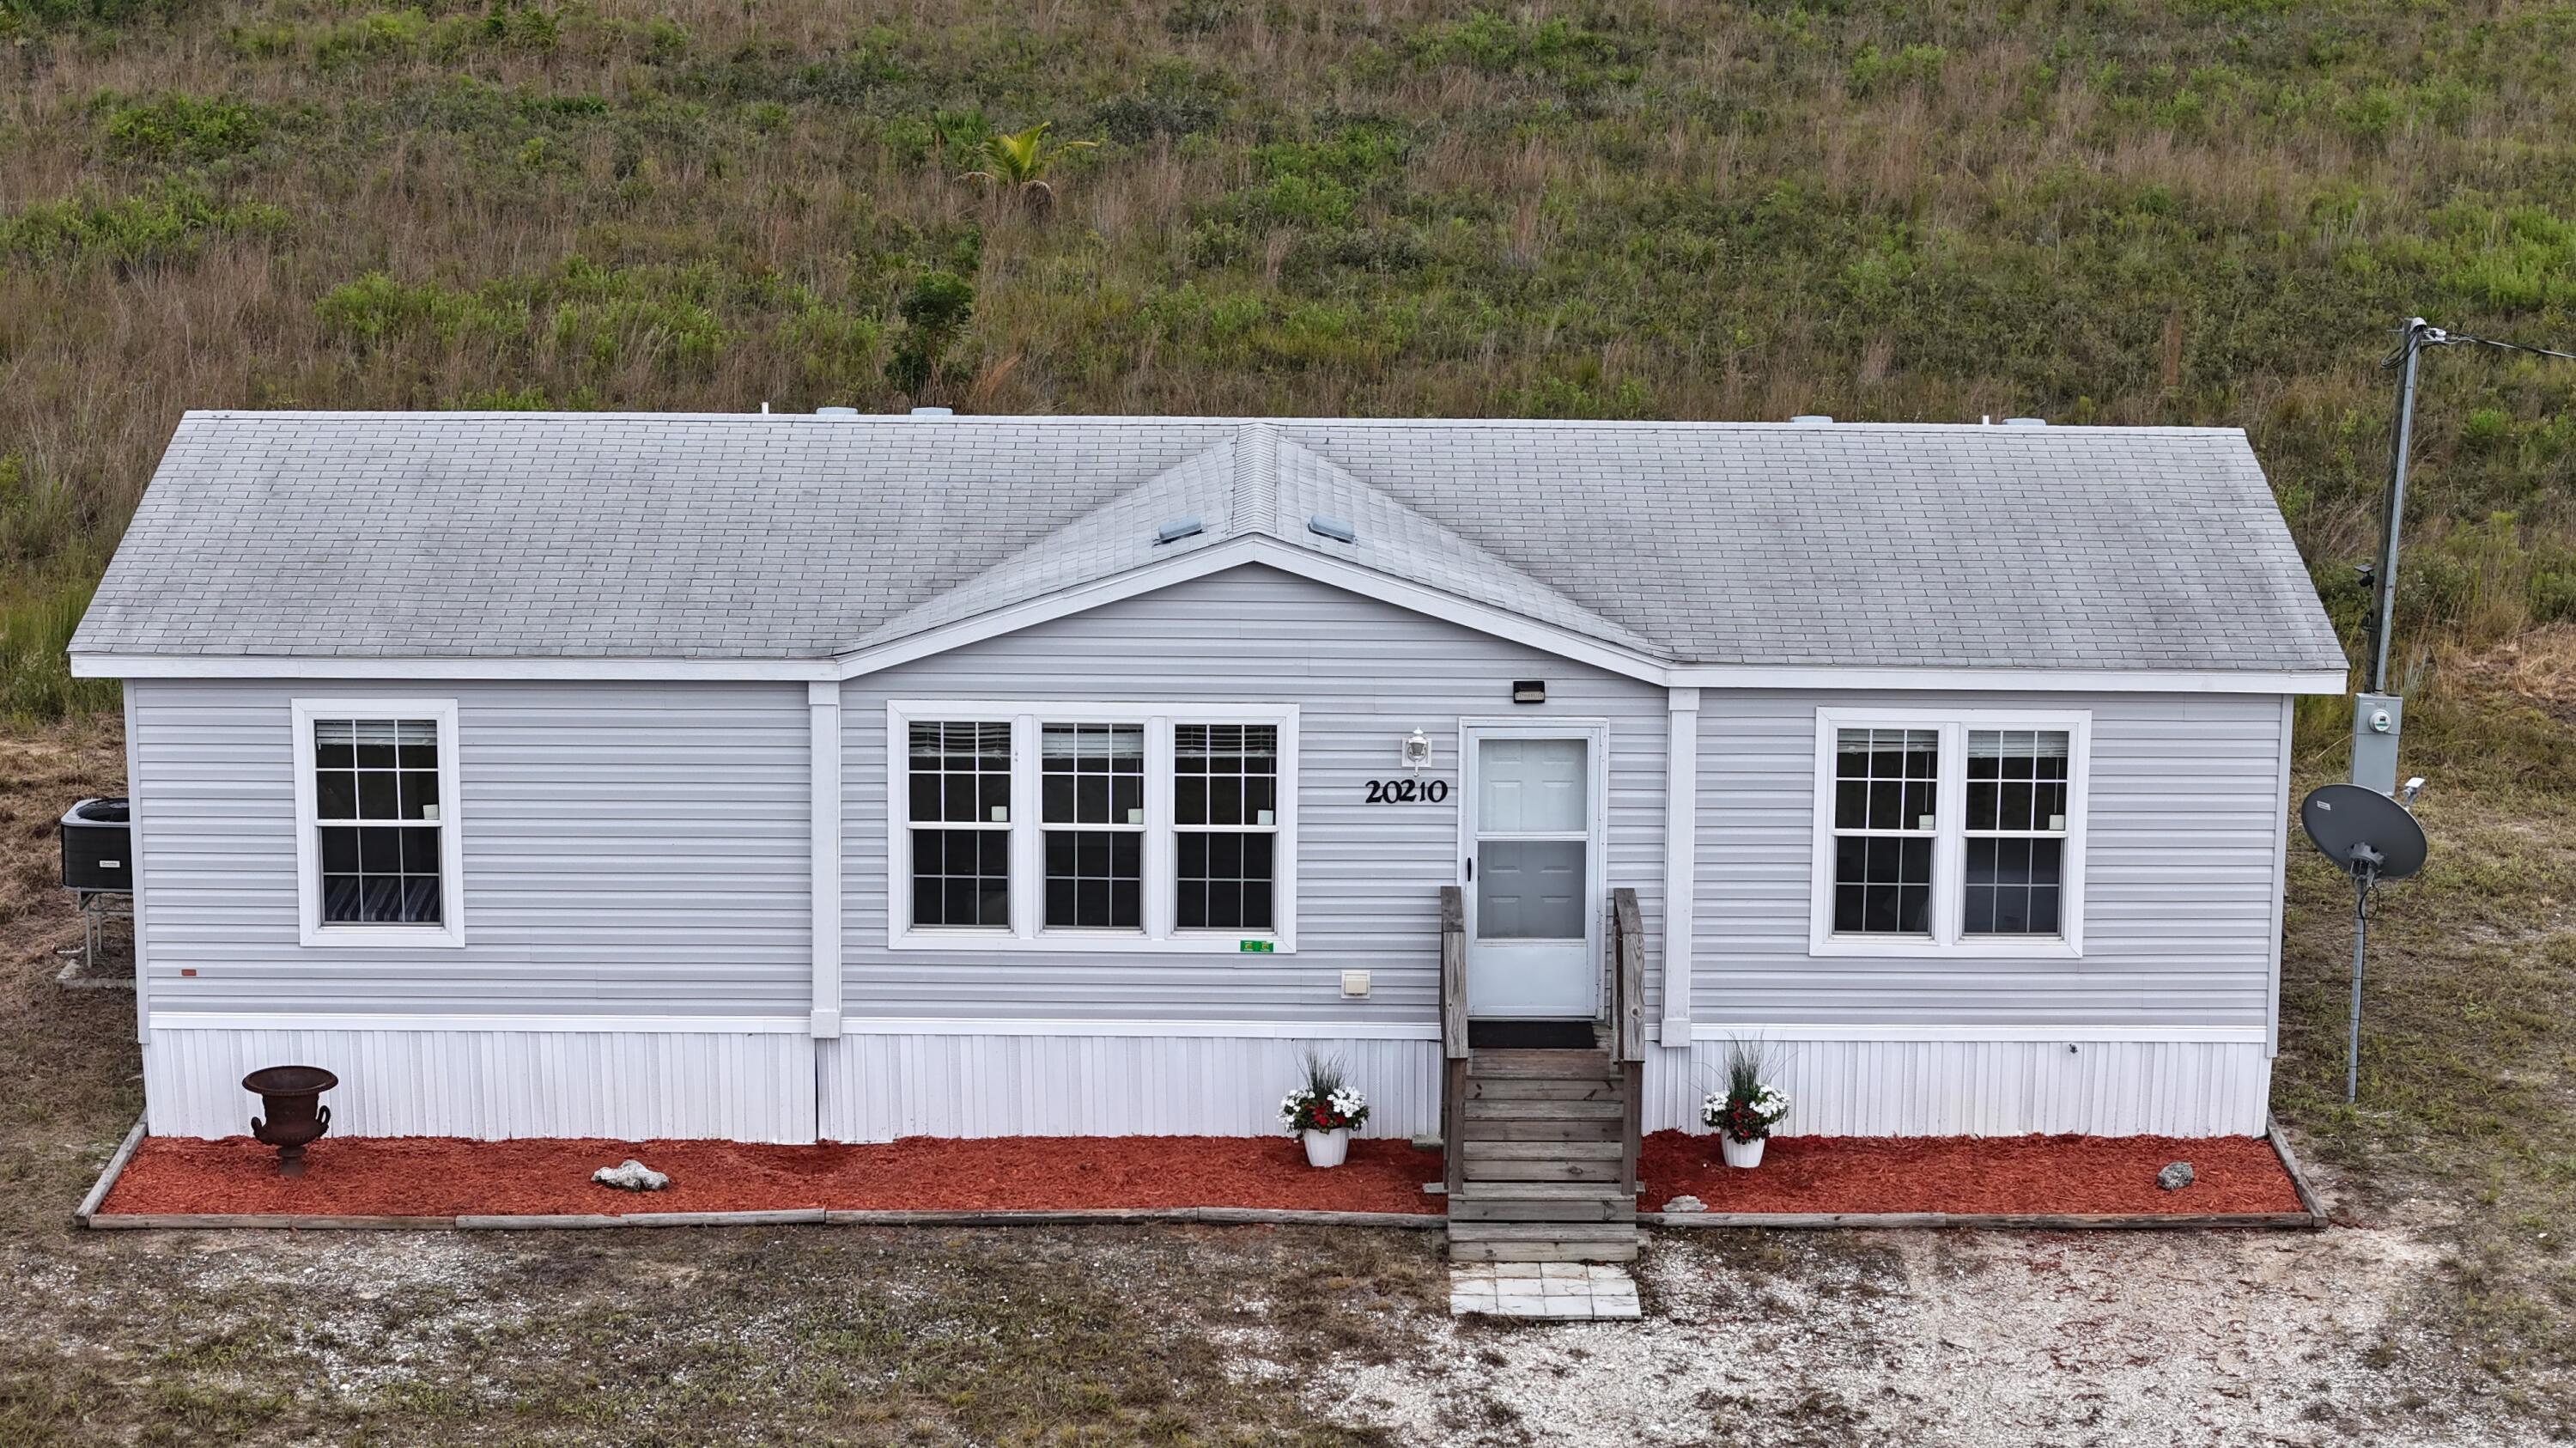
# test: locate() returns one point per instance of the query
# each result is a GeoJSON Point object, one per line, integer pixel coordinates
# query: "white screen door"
{"type": "Point", "coordinates": [1531, 911]}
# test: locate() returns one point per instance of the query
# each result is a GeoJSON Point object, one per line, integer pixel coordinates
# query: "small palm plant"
{"type": "Point", "coordinates": [1016, 163]}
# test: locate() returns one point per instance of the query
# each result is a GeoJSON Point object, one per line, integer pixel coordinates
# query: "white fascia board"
{"type": "Point", "coordinates": [1270, 553]}
{"type": "Point", "coordinates": [2037, 681]}
{"type": "Point", "coordinates": [283, 666]}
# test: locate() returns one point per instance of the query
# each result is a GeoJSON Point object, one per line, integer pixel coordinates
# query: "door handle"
{"type": "Point", "coordinates": [1471, 869]}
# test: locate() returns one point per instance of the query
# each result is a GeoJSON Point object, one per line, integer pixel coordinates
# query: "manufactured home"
{"type": "Point", "coordinates": [839, 777]}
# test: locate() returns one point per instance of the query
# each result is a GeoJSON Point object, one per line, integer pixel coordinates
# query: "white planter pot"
{"type": "Point", "coordinates": [1741, 1153]}
{"type": "Point", "coordinates": [1327, 1148]}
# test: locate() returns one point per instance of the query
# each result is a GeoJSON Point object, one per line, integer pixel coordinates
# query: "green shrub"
{"type": "Point", "coordinates": [185, 128]}
{"type": "Point", "coordinates": [166, 225]}
{"type": "Point", "coordinates": [35, 673]}
{"type": "Point", "coordinates": [934, 312]}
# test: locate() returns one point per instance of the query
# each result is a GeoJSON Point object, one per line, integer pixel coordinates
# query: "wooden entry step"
{"type": "Point", "coordinates": [1543, 1144]}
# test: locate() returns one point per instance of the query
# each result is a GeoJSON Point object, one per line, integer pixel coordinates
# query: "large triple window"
{"type": "Point", "coordinates": [377, 850]}
{"type": "Point", "coordinates": [1093, 826]}
{"type": "Point", "coordinates": [1949, 831]}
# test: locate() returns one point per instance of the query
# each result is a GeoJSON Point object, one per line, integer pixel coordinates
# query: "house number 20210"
{"type": "Point", "coordinates": [1407, 791]}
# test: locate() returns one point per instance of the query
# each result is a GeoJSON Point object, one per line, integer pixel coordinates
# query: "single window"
{"type": "Point", "coordinates": [375, 805]}
{"type": "Point", "coordinates": [1091, 783]}
{"type": "Point", "coordinates": [1886, 802]}
{"type": "Point", "coordinates": [1225, 821]}
{"type": "Point", "coordinates": [2016, 831]}
{"type": "Point", "coordinates": [960, 790]}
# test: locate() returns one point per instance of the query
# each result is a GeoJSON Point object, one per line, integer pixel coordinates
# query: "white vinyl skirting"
{"type": "Point", "coordinates": [490, 1085]}
{"type": "Point", "coordinates": [878, 1087]}
{"type": "Point", "coordinates": [783, 1087]}
{"type": "Point", "coordinates": [1987, 1088]}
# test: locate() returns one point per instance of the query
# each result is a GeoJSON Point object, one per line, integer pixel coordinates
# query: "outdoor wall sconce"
{"type": "Point", "coordinates": [1417, 750]}
{"type": "Point", "coordinates": [1529, 691]}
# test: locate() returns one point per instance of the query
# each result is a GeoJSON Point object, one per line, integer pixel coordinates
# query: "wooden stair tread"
{"type": "Point", "coordinates": [1542, 1065]}
{"type": "Point", "coordinates": [1543, 1232]}
{"type": "Point", "coordinates": [1544, 1110]}
{"type": "Point", "coordinates": [1524, 1088]}
{"type": "Point", "coordinates": [1583, 1191]}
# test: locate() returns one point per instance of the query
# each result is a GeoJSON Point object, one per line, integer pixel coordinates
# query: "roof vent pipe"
{"type": "Point", "coordinates": [2025, 422]}
{"type": "Point", "coordinates": [934, 412]}
{"type": "Point", "coordinates": [836, 412]}
{"type": "Point", "coordinates": [1813, 419]}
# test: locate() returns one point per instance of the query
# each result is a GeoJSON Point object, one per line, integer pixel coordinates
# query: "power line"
{"type": "Point", "coordinates": [2422, 335]}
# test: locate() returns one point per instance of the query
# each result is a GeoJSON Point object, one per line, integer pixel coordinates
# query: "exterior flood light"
{"type": "Point", "coordinates": [1529, 691]}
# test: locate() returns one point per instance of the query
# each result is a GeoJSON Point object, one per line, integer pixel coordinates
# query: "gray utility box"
{"type": "Point", "coordinates": [2377, 721]}
{"type": "Point", "coordinates": [97, 847]}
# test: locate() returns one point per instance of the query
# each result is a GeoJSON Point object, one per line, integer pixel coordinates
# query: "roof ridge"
{"type": "Point", "coordinates": [1256, 478]}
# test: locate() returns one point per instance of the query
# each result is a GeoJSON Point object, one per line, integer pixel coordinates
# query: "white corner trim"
{"type": "Point", "coordinates": [1681, 859]}
{"type": "Point", "coordinates": [1072, 1027]}
{"type": "Point", "coordinates": [449, 934]}
{"type": "Point", "coordinates": [2073, 1035]}
{"type": "Point", "coordinates": [1947, 940]}
{"type": "Point", "coordinates": [823, 717]}
{"type": "Point", "coordinates": [135, 847]}
{"type": "Point", "coordinates": [2280, 882]}
{"type": "Point", "coordinates": [352, 1021]}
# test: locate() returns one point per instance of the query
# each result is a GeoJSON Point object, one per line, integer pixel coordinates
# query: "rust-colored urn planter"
{"type": "Point", "coordinates": [292, 1096]}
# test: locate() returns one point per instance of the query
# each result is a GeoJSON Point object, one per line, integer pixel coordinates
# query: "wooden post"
{"type": "Point", "coordinates": [1453, 1038]}
{"type": "Point", "coordinates": [1628, 1024]}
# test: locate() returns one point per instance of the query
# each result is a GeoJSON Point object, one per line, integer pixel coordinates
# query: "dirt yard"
{"type": "Point", "coordinates": [2436, 1312]}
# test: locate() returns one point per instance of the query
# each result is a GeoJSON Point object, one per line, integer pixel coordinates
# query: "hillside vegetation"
{"type": "Point", "coordinates": [2117, 212]}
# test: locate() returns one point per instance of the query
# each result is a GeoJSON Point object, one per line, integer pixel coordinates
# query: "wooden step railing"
{"type": "Point", "coordinates": [1453, 1037]}
{"type": "Point", "coordinates": [1628, 1022]}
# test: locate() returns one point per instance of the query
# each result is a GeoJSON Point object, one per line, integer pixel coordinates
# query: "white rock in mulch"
{"type": "Point", "coordinates": [631, 1175]}
{"type": "Point", "coordinates": [1685, 1204]}
{"type": "Point", "coordinates": [2175, 1177]}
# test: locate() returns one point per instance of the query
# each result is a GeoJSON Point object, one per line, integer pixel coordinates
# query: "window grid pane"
{"type": "Point", "coordinates": [1225, 799]}
{"type": "Point", "coordinates": [2017, 790]}
{"type": "Point", "coordinates": [1886, 804]}
{"type": "Point", "coordinates": [1092, 775]}
{"type": "Point", "coordinates": [377, 821]}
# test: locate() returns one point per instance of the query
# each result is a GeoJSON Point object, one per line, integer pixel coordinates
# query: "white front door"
{"type": "Point", "coordinates": [1532, 907]}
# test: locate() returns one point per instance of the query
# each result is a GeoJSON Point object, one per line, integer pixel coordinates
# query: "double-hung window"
{"type": "Point", "coordinates": [1093, 826]}
{"type": "Point", "coordinates": [1949, 831]}
{"type": "Point", "coordinates": [378, 854]}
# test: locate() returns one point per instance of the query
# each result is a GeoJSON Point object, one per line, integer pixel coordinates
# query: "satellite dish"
{"type": "Point", "coordinates": [2361, 830]}
{"type": "Point", "coordinates": [2371, 838]}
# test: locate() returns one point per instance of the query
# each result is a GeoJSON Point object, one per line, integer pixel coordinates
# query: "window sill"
{"type": "Point", "coordinates": [1120, 942]}
{"type": "Point", "coordinates": [389, 937]}
{"type": "Point", "coordinates": [1973, 947]}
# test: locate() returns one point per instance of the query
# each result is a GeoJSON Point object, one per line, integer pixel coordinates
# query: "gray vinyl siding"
{"type": "Point", "coordinates": [2181, 874]}
{"type": "Point", "coordinates": [630, 849]}
{"type": "Point", "coordinates": [1364, 675]}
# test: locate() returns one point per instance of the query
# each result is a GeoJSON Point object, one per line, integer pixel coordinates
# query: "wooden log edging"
{"type": "Point", "coordinates": [789, 1217]}
{"type": "Point", "coordinates": [106, 1182]}
{"type": "Point", "coordinates": [2011, 1221]}
{"type": "Point", "coordinates": [2290, 1163]}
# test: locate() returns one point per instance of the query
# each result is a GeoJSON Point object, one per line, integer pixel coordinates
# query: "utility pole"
{"type": "Point", "coordinates": [2378, 716]}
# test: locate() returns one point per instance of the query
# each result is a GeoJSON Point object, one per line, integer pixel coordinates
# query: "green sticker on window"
{"type": "Point", "coordinates": [1256, 946]}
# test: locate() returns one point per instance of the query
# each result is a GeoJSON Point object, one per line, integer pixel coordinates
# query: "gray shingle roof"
{"type": "Point", "coordinates": [461, 535]}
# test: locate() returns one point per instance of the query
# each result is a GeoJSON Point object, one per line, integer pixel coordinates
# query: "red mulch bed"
{"type": "Point", "coordinates": [432, 1176]}
{"type": "Point", "coordinates": [2060, 1174]}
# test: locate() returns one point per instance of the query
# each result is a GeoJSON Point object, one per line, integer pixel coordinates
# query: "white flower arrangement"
{"type": "Point", "coordinates": [1749, 1106]}
{"type": "Point", "coordinates": [1325, 1103]}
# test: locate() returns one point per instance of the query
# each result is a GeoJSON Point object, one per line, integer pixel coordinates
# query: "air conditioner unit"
{"type": "Point", "coordinates": [98, 854]}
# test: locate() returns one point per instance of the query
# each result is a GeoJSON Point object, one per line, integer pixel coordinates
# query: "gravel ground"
{"type": "Point", "coordinates": [1963, 1339]}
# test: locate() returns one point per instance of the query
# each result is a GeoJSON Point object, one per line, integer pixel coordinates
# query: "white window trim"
{"type": "Point", "coordinates": [1949, 841]}
{"type": "Point", "coordinates": [310, 929]}
{"type": "Point", "coordinates": [1160, 901]}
